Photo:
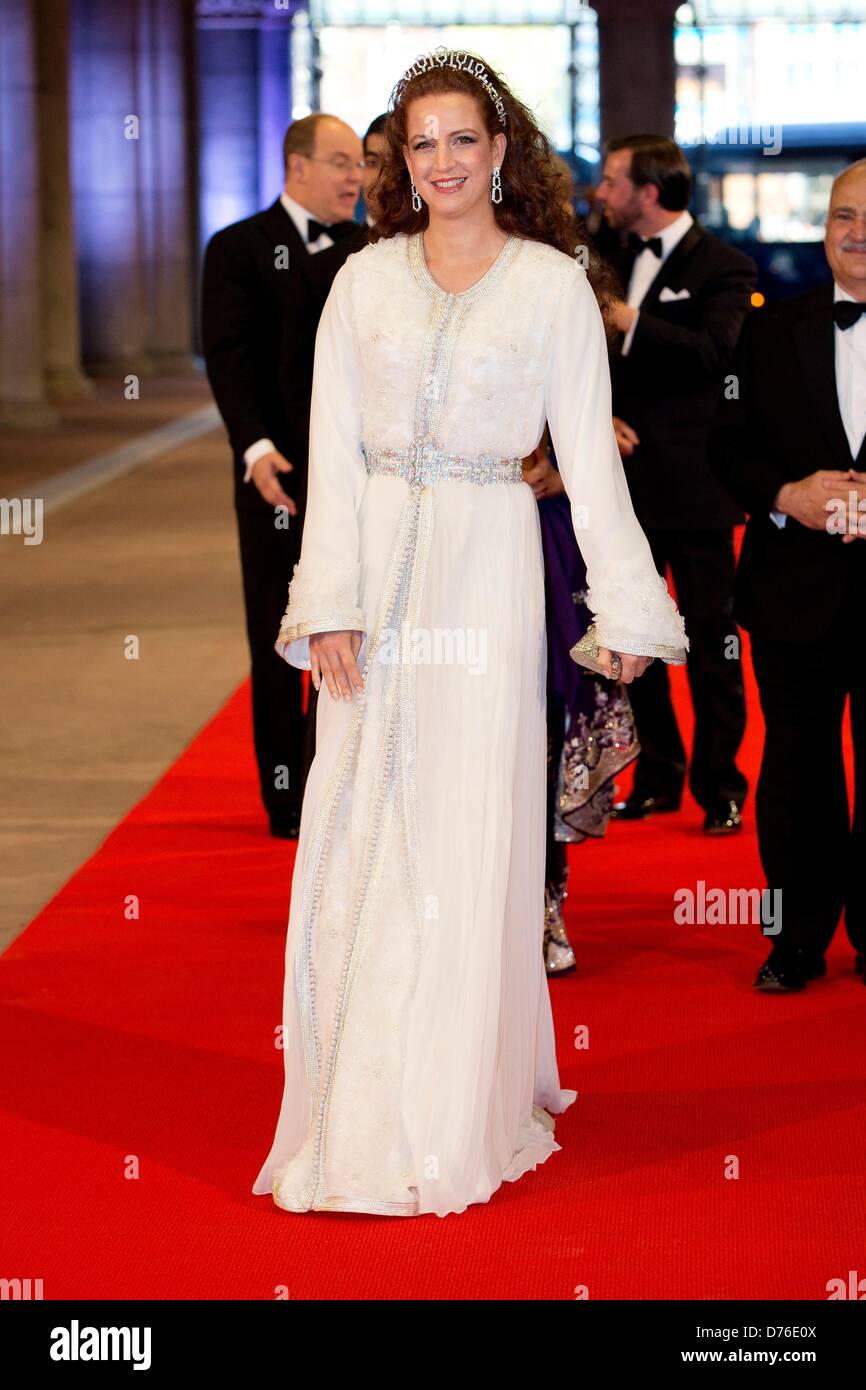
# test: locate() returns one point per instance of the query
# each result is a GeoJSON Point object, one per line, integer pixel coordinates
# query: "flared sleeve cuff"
{"type": "Point", "coordinates": [317, 607]}
{"type": "Point", "coordinates": [635, 613]}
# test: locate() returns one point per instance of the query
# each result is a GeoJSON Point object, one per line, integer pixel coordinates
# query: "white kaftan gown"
{"type": "Point", "coordinates": [418, 1040]}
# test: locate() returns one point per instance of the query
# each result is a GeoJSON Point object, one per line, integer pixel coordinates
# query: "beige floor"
{"type": "Point", "coordinates": [87, 732]}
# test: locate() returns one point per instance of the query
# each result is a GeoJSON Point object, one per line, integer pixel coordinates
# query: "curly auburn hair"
{"type": "Point", "coordinates": [534, 204]}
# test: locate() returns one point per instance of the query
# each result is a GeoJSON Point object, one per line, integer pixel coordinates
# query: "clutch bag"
{"type": "Point", "coordinates": [585, 652]}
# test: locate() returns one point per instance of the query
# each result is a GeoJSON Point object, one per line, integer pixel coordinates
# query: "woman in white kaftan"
{"type": "Point", "coordinates": [420, 1061]}
{"type": "Point", "coordinates": [418, 1041]}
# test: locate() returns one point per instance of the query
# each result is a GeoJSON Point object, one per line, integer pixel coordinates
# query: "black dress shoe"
{"type": "Point", "coordinates": [782, 974]}
{"type": "Point", "coordinates": [639, 807]}
{"type": "Point", "coordinates": [286, 825]}
{"type": "Point", "coordinates": [723, 819]}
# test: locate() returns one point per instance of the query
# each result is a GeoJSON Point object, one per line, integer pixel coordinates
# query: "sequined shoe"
{"type": "Point", "coordinates": [784, 973]}
{"type": "Point", "coordinates": [558, 955]}
{"type": "Point", "coordinates": [723, 818]}
{"type": "Point", "coordinates": [639, 807]}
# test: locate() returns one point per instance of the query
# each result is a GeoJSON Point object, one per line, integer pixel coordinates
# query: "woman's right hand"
{"type": "Point", "coordinates": [333, 658]}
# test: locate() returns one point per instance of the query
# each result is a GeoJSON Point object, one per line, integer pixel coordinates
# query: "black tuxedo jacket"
{"type": "Point", "coordinates": [259, 322]}
{"type": "Point", "coordinates": [785, 425]}
{"type": "Point", "coordinates": [668, 385]}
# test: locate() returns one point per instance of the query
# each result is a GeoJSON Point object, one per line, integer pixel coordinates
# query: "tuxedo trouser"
{"type": "Point", "coordinates": [810, 846]}
{"type": "Point", "coordinates": [284, 737]}
{"type": "Point", "coordinates": [702, 564]}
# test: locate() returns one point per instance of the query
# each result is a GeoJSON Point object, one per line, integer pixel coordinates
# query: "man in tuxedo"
{"type": "Point", "coordinates": [791, 448]}
{"type": "Point", "coordinates": [375, 145]}
{"type": "Point", "coordinates": [263, 291]}
{"type": "Point", "coordinates": [687, 296]}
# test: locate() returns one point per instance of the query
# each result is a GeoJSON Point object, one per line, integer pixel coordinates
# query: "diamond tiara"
{"type": "Point", "coordinates": [454, 58]}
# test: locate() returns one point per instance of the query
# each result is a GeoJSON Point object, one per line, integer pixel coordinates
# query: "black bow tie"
{"type": "Point", "coordinates": [846, 312]}
{"type": "Point", "coordinates": [336, 230]}
{"type": "Point", "coordinates": [637, 244]}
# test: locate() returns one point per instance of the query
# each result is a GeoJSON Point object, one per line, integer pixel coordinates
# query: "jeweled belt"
{"type": "Point", "coordinates": [423, 464]}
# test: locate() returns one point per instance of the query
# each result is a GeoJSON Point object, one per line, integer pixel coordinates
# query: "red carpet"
{"type": "Point", "coordinates": [146, 1046]}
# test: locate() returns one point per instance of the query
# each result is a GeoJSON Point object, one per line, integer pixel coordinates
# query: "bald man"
{"type": "Point", "coordinates": [791, 449]}
{"type": "Point", "coordinates": [262, 293]}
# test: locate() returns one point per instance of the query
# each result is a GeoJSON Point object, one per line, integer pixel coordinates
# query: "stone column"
{"type": "Point", "coordinates": [637, 72]}
{"type": "Point", "coordinates": [274, 102]}
{"type": "Point", "coordinates": [133, 181]}
{"type": "Point", "coordinates": [244, 105]}
{"type": "Point", "coordinates": [228, 111]}
{"type": "Point", "coordinates": [61, 338]}
{"type": "Point", "coordinates": [167, 182]}
{"type": "Point", "coordinates": [22, 382]}
{"type": "Point", "coordinates": [107, 142]}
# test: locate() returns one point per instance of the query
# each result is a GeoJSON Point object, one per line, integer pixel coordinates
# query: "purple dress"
{"type": "Point", "coordinates": [590, 729]}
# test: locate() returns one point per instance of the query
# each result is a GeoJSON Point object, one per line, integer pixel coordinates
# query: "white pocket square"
{"type": "Point", "coordinates": [667, 294]}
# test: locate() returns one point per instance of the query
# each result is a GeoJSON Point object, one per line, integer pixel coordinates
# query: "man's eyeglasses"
{"type": "Point", "coordinates": [341, 162]}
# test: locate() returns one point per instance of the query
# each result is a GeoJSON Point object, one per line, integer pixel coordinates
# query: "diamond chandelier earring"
{"type": "Point", "coordinates": [417, 202]}
{"type": "Point", "coordinates": [495, 186]}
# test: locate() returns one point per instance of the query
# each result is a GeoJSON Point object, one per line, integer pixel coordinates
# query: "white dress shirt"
{"type": "Point", "coordinates": [850, 357]}
{"type": "Point", "coordinates": [647, 266]}
{"type": "Point", "coordinates": [301, 218]}
{"type": "Point", "coordinates": [851, 375]}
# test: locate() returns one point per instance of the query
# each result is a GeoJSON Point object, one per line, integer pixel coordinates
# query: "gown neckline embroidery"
{"type": "Point", "coordinates": [421, 271]}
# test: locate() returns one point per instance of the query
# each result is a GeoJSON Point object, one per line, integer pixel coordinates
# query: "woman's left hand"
{"type": "Point", "coordinates": [632, 666]}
